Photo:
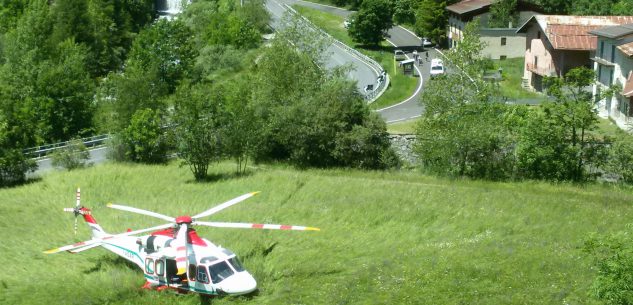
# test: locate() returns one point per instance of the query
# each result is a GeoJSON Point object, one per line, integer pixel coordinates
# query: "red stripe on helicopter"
{"type": "Point", "coordinates": [79, 244]}
{"type": "Point", "coordinates": [88, 218]}
{"type": "Point", "coordinates": [181, 259]}
{"type": "Point", "coordinates": [181, 248]}
{"type": "Point", "coordinates": [285, 227]}
{"type": "Point", "coordinates": [257, 226]}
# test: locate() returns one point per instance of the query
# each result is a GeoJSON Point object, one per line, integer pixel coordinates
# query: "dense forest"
{"type": "Point", "coordinates": [201, 85]}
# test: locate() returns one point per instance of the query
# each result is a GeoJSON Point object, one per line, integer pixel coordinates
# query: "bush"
{"type": "Point", "coordinates": [620, 161]}
{"type": "Point", "coordinates": [74, 155]}
{"type": "Point", "coordinates": [14, 166]}
{"type": "Point", "coordinates": [613, 259]}
{"type": "Point", "coordinates": [144, 139]}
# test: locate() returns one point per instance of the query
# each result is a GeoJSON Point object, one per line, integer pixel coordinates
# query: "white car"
{"type": "Point", "coordinates": [347, 23]}
{"type": "Point", "coordinates": [399, 55]}
{"type": "Point", "coordinates": [437, 67]}
{"type": "Point", "coordinates": [426, 42]}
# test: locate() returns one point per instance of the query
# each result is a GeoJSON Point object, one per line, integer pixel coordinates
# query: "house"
{"type": "Point", "coordinates": [555, 44]}
{"type": "Point", "coordinates": [501, 43]}
{"type": "Point", "coordinates": [613, 64]}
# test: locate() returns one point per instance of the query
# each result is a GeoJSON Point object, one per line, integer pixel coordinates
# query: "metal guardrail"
{"type": "Point", "coordinates": [382, 80]}
{"type": "Point", "coordinates": [44, 150]}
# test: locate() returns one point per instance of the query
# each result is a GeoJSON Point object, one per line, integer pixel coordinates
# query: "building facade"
{"type": "Point", "coordinates": [613, 65]}
{"type": "Point", "coordinates": [500, 43]}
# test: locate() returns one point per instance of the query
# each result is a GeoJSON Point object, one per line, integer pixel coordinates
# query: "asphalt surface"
{"type": "Point", "coordinates": [362, 73]}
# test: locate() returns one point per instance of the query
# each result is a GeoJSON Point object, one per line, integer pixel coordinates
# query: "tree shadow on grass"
{"type": "Point", "coordinates": [215, 177]}
{"type": "Point", "coordinates": [112, 261]}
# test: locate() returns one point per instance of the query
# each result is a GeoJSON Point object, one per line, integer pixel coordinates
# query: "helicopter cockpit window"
{"type": "Point", "coordinates": [202, 275]}
{"type": "Point", "coordinates": [220, 271]}
{"type": "Point", "coordinates": [237, 265]}
{"type": "Point", "coordinates": [149, 266]}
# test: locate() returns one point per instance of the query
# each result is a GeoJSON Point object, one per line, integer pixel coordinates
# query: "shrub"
{"type": "Point", "coordinates": [74, 155]}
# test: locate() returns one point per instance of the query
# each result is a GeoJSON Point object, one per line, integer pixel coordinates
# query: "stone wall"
{"type": "Point", "coordinates": [403, 145]}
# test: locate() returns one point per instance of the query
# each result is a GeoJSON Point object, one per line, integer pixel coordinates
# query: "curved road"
{"type": "Point", "coordinates": [402, 39]}
{"type": "Point", "coordinates": [336, 56]}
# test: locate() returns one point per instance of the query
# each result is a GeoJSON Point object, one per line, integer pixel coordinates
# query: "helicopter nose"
{"type": "Point", "coordinates": [239, 283]}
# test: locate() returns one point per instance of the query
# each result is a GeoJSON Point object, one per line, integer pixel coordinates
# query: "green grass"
{"type": "Point", "coordinates": [401, 86]}
{"type": "Point", "coordinates": [387, 237]}
{"type": "Point", "coordinates": [512, 74]}
{"type": "Point", "coordinates": [404, 127]}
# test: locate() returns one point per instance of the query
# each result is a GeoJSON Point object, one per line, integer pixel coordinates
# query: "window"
{"type": "Point", "coordinates": [612, 53]}
{"type": "Point", "coordinates": [202, 276]}
{"type": "Point", "coordinates": [602, 49]}
{"type": "Point", "coordinates": [535, 62]}
{"type": "Point", "coordinates": [611, 77]}
{"type": "Point", "coordinates": [503, 41]}
{"type": "Point", "coordinates": [237, 265]}
{"type": "Point", "coordinates": [192, 272]}
{"type": "Point", "coordinates": [502, 57]}
{"type": "Point", "coordinates": [220, 271]}
{"type": "Point", "coordinates": [160, 267]}
{"type": "Point", "coordinates": [538, 34]}
{"type": "Point", "coordinates": [623, 105]}
{"type": "Point", "coordinates": [149, 266]}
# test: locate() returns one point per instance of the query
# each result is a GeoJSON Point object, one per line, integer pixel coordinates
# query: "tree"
{"type": "Point", "coordinates": [503, 14]}
{"type": "Point", "coordinates": [13, 164]}
{"type": "Point", "coordinates": [620, 160]}
{"type": "Point", "coordinates": [73, 156]}
{"type": "Point", "coordinates": [404, 11]}
{"type": "Point", "coordinates": [555, 143]}
{"type": "Point", "coordinates": [371, 22]}
{"type": "Point", "coordinates": [464, 131]}
{"type": "Point", "coordinates": [431, 20]}
{"type": "Point", "coordinates": [555, 6]}
{"type": "Point", "coordinates": [592, 7]}
{"type": "Point", "coordinates": [197, 130]}
{"type": "Point", "coordinates": [144, 139]}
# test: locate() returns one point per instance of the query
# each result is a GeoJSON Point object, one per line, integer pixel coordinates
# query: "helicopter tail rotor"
{"type": "Point", "coordinates": [77, 209]}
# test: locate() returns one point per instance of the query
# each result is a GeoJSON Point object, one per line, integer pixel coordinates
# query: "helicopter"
{"type": "Point", "coordinates": [173, 256]}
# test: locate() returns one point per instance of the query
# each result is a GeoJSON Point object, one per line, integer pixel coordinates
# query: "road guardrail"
{"type": "Point", "coordinates": [43, 150]}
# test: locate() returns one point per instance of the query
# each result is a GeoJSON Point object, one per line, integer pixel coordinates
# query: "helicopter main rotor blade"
{"type": "Point", "coordinates": [141, 211]}
{"type": "Point", "coordinates": [98, 240]}
{"type": "Point", "coordinates": [181, 249]}
{"type": "Point", "coordinates": [225, 205]}
{"type": "Point", "coordinates": [254, 226]}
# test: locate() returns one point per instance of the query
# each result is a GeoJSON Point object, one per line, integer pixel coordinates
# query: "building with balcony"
{"type": "Point", "coordinates": [613, 64]}
{"type": "Point", "coordinates": [556, 44]}
{"type": "Point", "coordinates": [500, 42]}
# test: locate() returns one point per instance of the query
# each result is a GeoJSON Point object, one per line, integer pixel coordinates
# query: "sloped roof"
{"type": "Point", "coordinates": [573, 32]}
{"type": "Point", "coordinates": [626, 48]}
{"type": "Point", "coordinates": [467, 6]}
{"type": "Point", "coordinates": [615, 31]}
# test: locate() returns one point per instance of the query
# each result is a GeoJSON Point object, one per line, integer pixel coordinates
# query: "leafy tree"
{"type": "Point", "coordinates": [503, 13]}
{"type": "Point", "coordinates": [371, 22]}
{"type": "Point", "coordinates": [10, 12]}
{"type": "Point", "coordinates": [144, 139]}
{"type": "Point", "coordinates": [620, 160]}
{"type": "Point", "coordinates": [13, 164]}
{"type": "Point", "coordinates": [431, 20]}
{"type": "Point", "coordinates": [562, 148]}
{"type": "Point", "coordinates": [622, 8]}
{"type": "Point", "coordinates": [197, 130]}
{"type": "Point", "coordinates": [555, 6]}
{"type": "Point", "coordinates": [592, 7]}
{"type": "Point", "coordinates": [404, 11]}
{"type": "Point", "coordinates": [74, 155]}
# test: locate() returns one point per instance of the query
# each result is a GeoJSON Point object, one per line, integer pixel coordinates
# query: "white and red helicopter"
{"type": "Point", "coordinates": [173, 255]}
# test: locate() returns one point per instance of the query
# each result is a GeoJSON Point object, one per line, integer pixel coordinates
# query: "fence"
{"type": "Point", "coordinates": [43, 150]}
{"type": "Point", "coordinates": [382, 79]}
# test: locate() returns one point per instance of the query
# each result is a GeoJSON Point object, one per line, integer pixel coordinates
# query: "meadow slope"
{"type": "Point", "coordinates": [387, 237]}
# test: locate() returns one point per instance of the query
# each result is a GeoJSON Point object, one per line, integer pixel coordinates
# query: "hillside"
{"type": "Point", "coordinates": [387, 238]}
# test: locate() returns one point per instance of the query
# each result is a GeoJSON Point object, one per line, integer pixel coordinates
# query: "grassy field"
{"type": "Point", "coordinates": [404, 127]}
{"type": "Point", "coordinates": [511, 84]}
{"type": "Point", "coordinates": [401, 86]}
{"type": "Point", "coordinates": [387, 237]}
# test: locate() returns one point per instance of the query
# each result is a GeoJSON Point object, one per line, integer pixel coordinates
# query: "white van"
{"type": "Point", "coordinates": [437, 67]}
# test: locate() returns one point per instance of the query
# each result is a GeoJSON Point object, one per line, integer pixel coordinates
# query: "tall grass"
{"type": "Point", "coordinates": [387, 237]}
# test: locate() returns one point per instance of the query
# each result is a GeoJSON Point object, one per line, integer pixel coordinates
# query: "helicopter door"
{"type": "Point", "coordinates": [202, 278]}
{"type": "Point", "coordinates": [159, 268]}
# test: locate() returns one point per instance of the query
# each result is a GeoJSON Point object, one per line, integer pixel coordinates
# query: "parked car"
{"type": "Point", "coordinates": [437, 67]}
{"type": "Point", "coordinates": [399, 55]}
{"type": "Point", "coordinates": [426, 42]}
{"type": "Point", "coordinates": [347, 23]}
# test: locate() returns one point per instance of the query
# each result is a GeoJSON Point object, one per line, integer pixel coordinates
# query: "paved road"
{"type": "Point", "coordinates": [97, 155]}
{"type": "Point", "coordinates": [336, 56]}
{"type": "Point", "coordinates": [402, 39]}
